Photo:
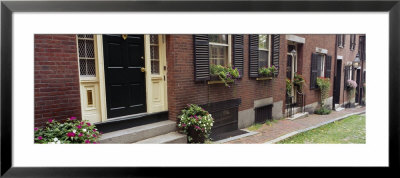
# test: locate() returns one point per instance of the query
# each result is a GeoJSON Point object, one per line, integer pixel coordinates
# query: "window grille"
{"type": "Point", "coordinates": [154, 54]}
{"type": "Point", "coordinates": [87, 65]}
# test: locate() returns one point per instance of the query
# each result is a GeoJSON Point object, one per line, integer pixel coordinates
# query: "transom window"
{"type": "Point", "coordinates": [87, 66]}
{"type": "Point", "coordinates": [218, 49]}
{"type": "Point", "coordinates": [264, 47]}
{"type": "Point", "coordinates": [154, 54]}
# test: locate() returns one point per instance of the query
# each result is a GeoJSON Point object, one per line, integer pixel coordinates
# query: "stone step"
{"type": "Point", "coordinates": [298, 116]}
{"type": "Point", "coordinates": [172, 137]}
{"type": "Point", "coordinates": [339, 109]}
{"type": "Point", "coordinates": [138, 133]}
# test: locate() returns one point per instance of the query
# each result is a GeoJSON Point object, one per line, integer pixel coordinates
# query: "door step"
{"type": "Point", "coordinates": [139, 133]}
{"type": "Point", "coordinates": [298, 116]}
{"type": "Point", "coordinates": [339, 109]}
{"type": "Point", "coordinates": [172, 137]}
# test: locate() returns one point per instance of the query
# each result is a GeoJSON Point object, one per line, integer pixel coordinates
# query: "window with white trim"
{"type": "Point", "coordinates": [321, 65]}
{"type": "Point", "coordinates": [340, 40]}
{"type": "Point", "coordinates": [264, 48]}
{"type": "Point", "coordinates": [218, 50]}
{"type": "Point", "coordinates": [86, 54]}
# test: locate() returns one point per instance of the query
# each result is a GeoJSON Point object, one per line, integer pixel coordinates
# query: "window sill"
{"type": "Point", "coordinates": [216, 82]}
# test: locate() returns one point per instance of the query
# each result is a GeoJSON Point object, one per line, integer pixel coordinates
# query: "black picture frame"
{"type": "Point", "coordinates": [8, 7]}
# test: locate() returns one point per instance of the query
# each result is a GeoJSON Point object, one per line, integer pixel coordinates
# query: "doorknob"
{"type": "Point", "coordinates": [141, 57]}
{"type": "Point", "coordinates": [143, 69]}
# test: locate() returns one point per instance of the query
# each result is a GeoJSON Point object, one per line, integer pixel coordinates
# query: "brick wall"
{"type": "Point", "coordinates": [56, 78]}
{"type": "Point", "coordinates": [183, 90]}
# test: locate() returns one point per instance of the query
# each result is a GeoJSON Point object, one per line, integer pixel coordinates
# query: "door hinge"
{"type": "Point", "coordinates": [164, 77]}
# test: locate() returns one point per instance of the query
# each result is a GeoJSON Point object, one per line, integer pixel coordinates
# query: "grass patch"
{"type": "Point", "coordinates": [254, 127]}
{"type": "Point", "coordinates": [348, 130]}
{"type": "Point", "coordinates": [270, 122]}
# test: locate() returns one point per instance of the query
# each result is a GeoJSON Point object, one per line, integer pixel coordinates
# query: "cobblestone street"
{"type": "Point", "coordinates": [285, 126]}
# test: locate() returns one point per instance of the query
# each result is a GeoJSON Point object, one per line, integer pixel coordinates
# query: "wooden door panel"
{"type": "Point", "coordinates": [125, 83]}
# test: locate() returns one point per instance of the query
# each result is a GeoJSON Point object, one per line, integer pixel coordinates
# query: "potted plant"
{"type": "Point", "coordinates": [225, 74]}
{"type": "Point", "coordinates": [70, 131]}
{"type": "Point", "coordinates": [298, 81]}
{"type": "Point", "coordinates": [196, 123]}
{"type": "Point", "coordinates": [351, 88]}
{"type": "Point", "coordinates": [267, 71]}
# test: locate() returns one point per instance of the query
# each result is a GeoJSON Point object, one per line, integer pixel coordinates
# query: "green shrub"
{"type": "Point", "coordinates": [267, 71]}
{"type": "Point", "coordinates": [323, 111]}
{"type": "Point", "coordinates": [71, 131]}
{"type": "Point", "coordinates": [288, 86]}
{"type": "Point", "coordinates": [323, 84]}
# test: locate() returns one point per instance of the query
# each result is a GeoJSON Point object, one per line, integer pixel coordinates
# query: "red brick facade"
{"type": "Point", "coordinates": [56, 78]}
{"type": "Point", "coordinates": [57, 85]}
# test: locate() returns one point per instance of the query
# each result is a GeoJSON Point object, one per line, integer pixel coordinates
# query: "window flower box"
{"type": "Point", "coordinates": [221, 74]}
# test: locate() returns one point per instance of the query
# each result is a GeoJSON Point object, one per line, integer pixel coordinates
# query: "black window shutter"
{"type": "Point", "coordinates": [328, 64]}
{"type": "Point", "coordinates": [339, 40]}
{"type": "Point", "coordinates": [253, 56]}
{"type": "Point", "coordinates": [314, 70]}
{"type": "Point", "coordinates": [344, 40]}
{"type": "Point", "coordinates": [238, 54]}
{"type": "Point", "coordinates": [275, 52]}
{"type": "Point", "coordinates": [201, 58]}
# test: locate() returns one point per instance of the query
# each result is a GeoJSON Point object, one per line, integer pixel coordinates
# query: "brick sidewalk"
{"type": "Point", "coordinates": [284, 126]}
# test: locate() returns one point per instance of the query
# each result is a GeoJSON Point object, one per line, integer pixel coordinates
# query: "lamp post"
{"type": "Point", "coordinates": [356, 62]}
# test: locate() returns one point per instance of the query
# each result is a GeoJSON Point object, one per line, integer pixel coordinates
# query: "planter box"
{"type": "Point", "coordinates": [214, 79]}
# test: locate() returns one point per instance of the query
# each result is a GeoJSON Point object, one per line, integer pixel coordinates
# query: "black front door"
{"type": "Point", "coordinates": [337, 79]}
{"type": "Point", "coordinates": [125, 82]}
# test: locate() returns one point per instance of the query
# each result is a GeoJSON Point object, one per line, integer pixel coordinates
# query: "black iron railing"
{"type": "Point", "coordinates": [289, 106]}
{"type": "Point", "coordinates": [301, 100]}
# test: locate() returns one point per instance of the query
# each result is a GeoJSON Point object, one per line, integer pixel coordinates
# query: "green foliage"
{"type": "Point", "coordinates": [323, 85]}
{"type": "Point", "coordinates": [71, 131]}
{"type": "Point", "coordinates": [196, 117]}
{"type": "Point", "coordinates": [267, 71]}
{"type": "Point", "coordinates": [289, 85]}
{"type": "Point", "coordinates": [225, 74]}
{"type": "Point", "coordinates": [254, 127]}
{"type": "Point", "coordinates": [298, 80]}
{"type": "Point", "coordinates": [323, 111]}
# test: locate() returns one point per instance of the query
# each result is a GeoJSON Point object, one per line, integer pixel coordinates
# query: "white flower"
{"type": "Point", "coordinates": [74, 131]}
{"type": "Point", "coordinates": [55, 139]}
{"type": "Point", "coordinates": [51, 143]}
{"type": "Point", "coordinates": [84, 130]}
{"type": "Point", "coordinates": [58, 142]}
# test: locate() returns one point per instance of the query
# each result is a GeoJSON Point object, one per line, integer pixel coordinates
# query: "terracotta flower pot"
{"type": "Point", "coordinates": [197, 136]}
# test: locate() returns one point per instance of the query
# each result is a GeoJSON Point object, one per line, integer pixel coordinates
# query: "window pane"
{"type": "Point", "coordinates": [218, 55]}
{"type": "Point", "coordinates": [87, 65]}
{"type": "Point", "coordinates": [155, 67]}
{"type": "Point", "coordinates": [263, 59]}
{"type": "Point", "coordinates": [263, 42]}
{"type": "Point", "coordinates": [154, 52]}
{"type": "Point", "coordinates": [218, 39]}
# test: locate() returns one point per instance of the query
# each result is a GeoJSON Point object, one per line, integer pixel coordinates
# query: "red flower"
{"type": "Point", "coordinates": [80, 135]}
{"type": "Point", "coordinates": [79, 126]}
{"type": "Point", "coordinates": [87, 141]}
{"type": "Point", "coordinates": [36, 128]}
{"type": "Point", "coordinates": [50, 120]}
{"type": "Point", "coordinates": [88, 124]}
{"type": "Point", "coordinates": [71, 134]}
{"type": "Point", "coordinates": [94, 135]}
{"type": "Point", "coordinates": [72, 118]}
{"type": "Point", "coordinates": [40, 137]}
